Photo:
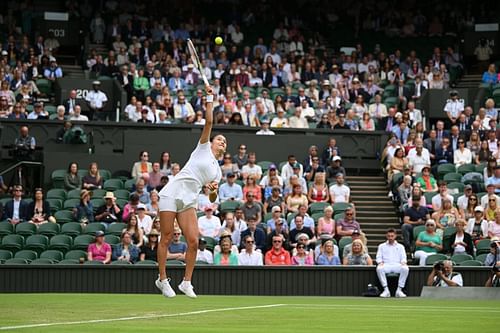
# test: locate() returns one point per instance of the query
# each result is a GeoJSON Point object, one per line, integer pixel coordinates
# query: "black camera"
{"type": "Point", "coordinates": [439, 266]}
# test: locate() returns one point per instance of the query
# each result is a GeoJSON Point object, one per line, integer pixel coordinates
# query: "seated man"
{"type": "Point", "coordinates": [252, 208]}
{"type": "Point", "coordinates": [109, 212]}
{"type": "Point", "coordinates": [308, 221]}
{"type": "Point", "coordinates": [141, 191]}
{"type": "Point", "coordinates": [16, 210]}
{"type": "Point", "coordinates": [277, 255]}
{"type": "Point", "coordinates": [209, 225]}
{"type": "Point", "coordinates": [442, 193]}
{"type": "Point", "coordinates": [275, 220]}
{"type": "Point", "coordinates": [249, 256]}
{"type": "Point", "coordinates": [300, 228]}
{"type": "Point", "coordinates": [391, 258]}
{"type": "Point", "coordinates": [24, 145]}
{"type": "Point", "coordinates": [230, 190]}
{"type": "Point", "coordinates": [493, 260]}
{"type": "Point", "coordinates": [279, 230]}
{"type": "Point", "coordinates": [176, 249]}
{"type": "Point", "coordinates": [413, 216]}
{"type": "Point", "coordinates": [251, 168]}
{"type": "Point", "coordinates": [203, 254]}
{"type": "Point", "coordinates": [339, 192]}
{"type": "Point", "coordinates": [258, 234]}
{"type": "Point", "coordinates": [442, 275]}
{"type": "Point", "coordinates": [347, 225]}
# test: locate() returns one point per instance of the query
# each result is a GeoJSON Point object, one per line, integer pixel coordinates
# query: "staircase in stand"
{"type": "Point", "coordinates": [374, 209]}
{"type": "Point", "coordinates": [469, 81]}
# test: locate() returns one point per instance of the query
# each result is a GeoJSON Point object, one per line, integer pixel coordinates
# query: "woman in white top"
{"type": "Point", "coordinates": [178, 200]}
{"type": "Point", "coordinates": [462, 155]}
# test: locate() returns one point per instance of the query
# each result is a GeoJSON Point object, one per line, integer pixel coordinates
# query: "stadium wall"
{"type": "Point", "coordinates": [116, 146]}
{"type": "Point", "coordinates": [215, 280]}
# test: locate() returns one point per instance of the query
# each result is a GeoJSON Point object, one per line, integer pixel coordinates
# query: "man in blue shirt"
{"type": "Point", "coordinates": [495, 180]}
{"type": "Point", "coordinates": [230, 190]}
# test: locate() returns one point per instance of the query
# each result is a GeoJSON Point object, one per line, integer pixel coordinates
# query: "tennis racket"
{"type": "Point", "coordinates": [196, 60]}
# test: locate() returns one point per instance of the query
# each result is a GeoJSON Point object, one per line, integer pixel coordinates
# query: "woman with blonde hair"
{"type": "Point", "coordinates": [358, 255]}
{"type": "Point", "coordinates": [93, 179]}
{"type": "Point", "coordinates": [318, 192]}
{"type": "Point", "coordinates": [446, 216]}
{"type": "Point", "coordinates": [326, 223]}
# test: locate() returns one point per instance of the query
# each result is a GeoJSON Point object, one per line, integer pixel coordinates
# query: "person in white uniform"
{"type": "Point", "coordinates": [178, 200]}
{"type": "Point", "coordinates": [391, 258]}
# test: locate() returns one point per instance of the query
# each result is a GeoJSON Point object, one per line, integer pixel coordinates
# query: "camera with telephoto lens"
{"type": "Point", "coordinates": [439, 266]}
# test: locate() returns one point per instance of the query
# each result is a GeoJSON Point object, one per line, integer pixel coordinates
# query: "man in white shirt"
{"type": "Point", "coordinates": [297, 120]}
{"type": "Point", "coordinates": [443, 193]}
{"type": "Point", "coordinates": [209, 225]}
{"type": "Point", "coordinates": [287, 169]}
{"type": "Point", "coordinates": [77, 114]}
{"type": "Point", "coordinates": [264, 130]}
{"type": "Point", "coordinates": [419, 156]}
{"type": "Point", "coordinates": [378, 110]}
{"type": "Point", "coordinates": [490, 190]}
{"type": "Point", "coordinates": [444, 277]}
{"type": "Point", "coordinates": [339, 192]}
{"type": "Point", "coordinates": [251, 168]}
{"type": "Point", "coordinates": [248, 256]}
{"type": "Point", "coordinates": [204, 254]}
{"type": "Point", "coordinates": [463, 200]}
{"type": "Point", "coordinates": [391, 258]}
{"type": "Point", "coordinates": [96, 101]}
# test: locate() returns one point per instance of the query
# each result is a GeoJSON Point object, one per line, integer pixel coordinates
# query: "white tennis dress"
{"type": "Point", "coordinates": [182, 191]}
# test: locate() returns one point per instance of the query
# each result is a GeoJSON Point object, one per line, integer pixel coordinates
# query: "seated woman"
{"type": "Point", "coordinates": [125, 250]}
{"type": "Point", "coordinates": [490, 76]}
{"type": "Point", "coordinates": [446, 216]}
{"type": "Point", "coordinates": [99, 250]}
{"type": "Point", "coordinates": [226, 257]}
{"type": "Point", "coordinates": [405, 191]}
{"type": "Point", "coordinates": [84, 212]}
{"type": "Point", "coordinates": [397, 163]}
{"type": "Point", "coordinates": [274, 200]}
{"type": "Point", "coordinates": [358, 255]}
{"type": "Point", "coordinates": [494, 226]}
{"type": "Point", "coordinates": [39, 209]}
{"type": "Point", "coordinates": [477, 226]}
{"type": "Point", "coordinates": [468, 212]}
{"type": "Point", "coordinates": [71, 180]}
{"type": "Point", "coordinates": [295, 199]}
{"type": "Point", "coordinates": [427, 181]}
{"type": "Point", "coordinates": [462, 155]}
{"type": "Point", "coordinates": [93, 179]}
{"type": "Point", "coordinates": [319, 192]}
{"type": "Point", "coordinates": [204, 201]}
{"type": "Point", "coordinates": [328, 257]}
{"type": "Point", "coordinates": [326, 223]}
{"type": "Point", "coordinates": [152, 208]}
{"type": "Point", "coordinates": [229, 167]}
{"type": "Point", "coordinates": [135, 232]}
{"type": "Point", "coordinates": [460, 241]}
{"type": "Point", "coordinates": [491, 208]}
{"type": "Point", "coordinates": [302, 258]}
{"type": "Point", "coordinates": [149, 250]}
{"type": "Point", "coordinates": [251, 186]}
{"type": "Point", "coordinates": [428, 242]}
{"type": "Point", "coordinates": [268, 189]}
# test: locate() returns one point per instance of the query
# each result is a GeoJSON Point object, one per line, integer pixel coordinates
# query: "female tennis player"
{"type": "Point", "coordinates": [179, 197]}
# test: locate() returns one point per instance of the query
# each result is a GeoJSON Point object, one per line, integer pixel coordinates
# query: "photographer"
{"type": "Point", "coordinates": [442, 275]}
{"type": "Point", "coordinates": [493, 260]}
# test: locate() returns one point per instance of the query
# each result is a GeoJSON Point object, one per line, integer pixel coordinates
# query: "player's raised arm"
{"type": "Point", "coordinates": [209, 117]}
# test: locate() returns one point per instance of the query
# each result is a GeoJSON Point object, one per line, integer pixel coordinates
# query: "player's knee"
{"type": "Point", "coordinates": [192, 242]}
{"type": "Point", "coordinates": [166, 237]}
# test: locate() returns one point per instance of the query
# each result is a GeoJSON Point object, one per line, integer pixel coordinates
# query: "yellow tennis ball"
{"type": "Point", "coordinates": [218, 40]}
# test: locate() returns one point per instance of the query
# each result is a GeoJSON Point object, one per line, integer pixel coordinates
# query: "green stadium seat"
{"type": "Point", "coordinates": [229, 206]}
{"type": "Point", "coordinates": [482, 257]}
{"type": "Point", "coordinates": [146, 263]}
{"type": "Point", "coordinates": [25, 229]}
{"type": "Point", "coordinates": [201, 263]}
{"type": "Point", "coordinates": [6, 229]}
{"type": "Point", "coordinates": [69, 262]}
{"type": "Point", "coordinates": [96, 203]}
{"type": "Point", "coordinates": [121, 203]}
{"type": "Point", "coordinates": [56, 193]}
{"type": "Point", "coordinates": [63, 216]}
{"type": "Point", "coordinates": [264, 165]}
{"type": "Point", "coordinates": [443, 169]}
{"type": "Point", "coordinates": [339, 216]}
{"type": "Point", "coordinates": [37, 243]}
{"type": "Point", "coordinates": [105, 174]}
{"type": "Point", "coordinates": [480, 168]}
{"type": "Point", "coordinates": [42, 261]}
{"type": "Point", "coordinates": [49, 229]}
{"type": "Point", "coordinates": [459, 258]}
{"type": "Point", "coordinates": [112, 239]}
{"type": "Point", "coordinates": [82, 173]}
{"type": "Point", "coordinates": [69, 204]}
{"type": "Point", "coordinates": [113, 185]}
{"type": "Point", "coordinates": [483, 246]}
{"type": "Point", "coordinates": [72, 229]}
{"type": "Point", "coordinates": [343, 242]}
{"type": "Point", "coordinates": [57, 178]}
{"type": "Point", "coordinates": [390, 90]}
{"type": "Point", "coordinates": [98, 194]}
{"type": "Point", "coordinates": [5, 255]}
{"type": "Point", "coordinates": [471, 263]}
{"type": "Point", "coordinates": [120, 263]}
{"type": "Point", "coordinates": [173, 262]}
{"type": "Point", "coordinates": [82, 242]}
{"type": "Point", "coordinates": [116, 228]}
{"type": "Point", "coordinates": [93, 262]}
{"type": "Point", "coordinates": [456, 186]}
{"type": "Point", "coordinates": [28, 255]}
{"type": "Point", "coordinates": [318, 207]}
{"type": "Point", "coordinates": [55, 204]}
{"type": "Point", "coordinates": [4, 201]}
{"type": "Point", "coordinates": [417, 230]}
{"type": "Point", "coordinates": [76, 255]}
{"type": "Point", "coordinates": [73, 194]}
{"type": "Point", "coordinates": [433, 258]}
{"type": "Point", "coordinates": [390, 101]}
{"type": "Point", "coordinates": [428, 196]}
{"type": "Point", "coordinates": [12, 243]}
{"type": "Point", "coordinates": [121, 194]}
{"type": "Point", "coordinates": [129, 184]}
{"type": "Point", "coordinates": [452, 177]}
{"type": "Point", "coordinates": [340, 207]}
{"type": "Point", "coordinates": [61, 242]}
{"type": "Point", "coordinates": [317, 216]}
{"type": "Point", "coordinates": [53, 255]}
{"type": "Point", "coordinates": [466, 168]}
{"type": "Point", "coordinates": [45, 86]}
{"type": "Point", "coordinates": [16, 261]}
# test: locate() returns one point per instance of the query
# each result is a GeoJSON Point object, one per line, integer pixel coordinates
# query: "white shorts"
{"type": "Point", "coordinates": [168, 204]}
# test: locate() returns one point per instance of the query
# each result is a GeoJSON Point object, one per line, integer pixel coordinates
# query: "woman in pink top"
{"type": "Point", "coordinates": [494, 226]}
{"type": "Point", "coordinates": [99, 250]}
{"type": "Point", "coordinates": [326, 223]}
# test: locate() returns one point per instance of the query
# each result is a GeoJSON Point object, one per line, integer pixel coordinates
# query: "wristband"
{"type": "Point", "coordinates": [210, 98]}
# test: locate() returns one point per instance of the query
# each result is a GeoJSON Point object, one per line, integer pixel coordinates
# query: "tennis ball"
{"type": "Point", "coordinates": [218, 40]}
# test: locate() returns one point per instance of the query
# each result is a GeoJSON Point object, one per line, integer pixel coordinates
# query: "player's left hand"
{"type": "Point", "coordinates": [213, 186]}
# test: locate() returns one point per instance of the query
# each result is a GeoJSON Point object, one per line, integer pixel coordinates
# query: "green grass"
{"type": "Point", "coordinates": [228, 314]}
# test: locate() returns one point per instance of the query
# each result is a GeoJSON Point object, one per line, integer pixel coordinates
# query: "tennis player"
{"type": "Point", "coordinates": [179, 197]}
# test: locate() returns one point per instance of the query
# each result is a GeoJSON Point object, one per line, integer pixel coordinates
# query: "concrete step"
{"type": "Point", "coordinates": [362, 212]}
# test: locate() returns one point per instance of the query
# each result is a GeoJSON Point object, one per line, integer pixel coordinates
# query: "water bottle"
{"type": "Point", "coordinates": [126, 254]}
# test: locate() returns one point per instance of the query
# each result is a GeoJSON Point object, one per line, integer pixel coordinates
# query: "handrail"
{"type": "Point", "coordinates": [12, 167]}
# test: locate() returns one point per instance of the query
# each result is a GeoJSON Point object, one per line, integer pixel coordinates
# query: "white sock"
{"type": "Point", "coordinates": [386, 289]}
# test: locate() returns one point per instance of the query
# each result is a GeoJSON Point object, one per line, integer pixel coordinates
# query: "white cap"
{"type": "Point", "coordinates": [336, 158]}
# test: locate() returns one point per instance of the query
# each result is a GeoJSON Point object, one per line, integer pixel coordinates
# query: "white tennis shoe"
{"type": "Point", "coordinates": [165, 287]}
{"type": "Point", "coordinates": [187, 288]}
{"type": "Point", "coordinates": [386, 293]}
{"type": "Point", "coordinates": [400, 293]}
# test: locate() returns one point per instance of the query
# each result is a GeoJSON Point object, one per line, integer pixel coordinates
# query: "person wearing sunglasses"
{"type": "Point", "coordinates": [143, 167]}
{"type": "Point", "coordinates": [277, 255]}
{"type": "Point", "coordinates": [249, 256]}
{"type": "Point", "coordinates": [428, 242]}
{"type": "Point", "coordinates": [462, 155]}
{"type": "Point", "coordinates": [477, 226]}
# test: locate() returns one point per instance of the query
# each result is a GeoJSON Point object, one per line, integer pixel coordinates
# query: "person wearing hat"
{"type": "Point", "coordinates": [493, 260]}
{"type": "Point", "coordinates": [96, 102]}
{"type": "Point", "coordinates": [454, 107]}
{"type": "Point", "coordinates": [428, 242]}
{"type": "Point", "coordinates": [230, 190]}
{"type": "Point", "coordinates": [149, 249]}
{"type": "Point", "coordinates": [99, 250]}
{"type": "Point", "coordinates": [477, 226]}
{"type": "Point", "coordinates": [53, 72]}
{"type": "Point", "coordinates": [413, 216]}
{"type": "Point", "coordinates": [335, 168]}
{"type": "Point", "coordinates": [203, 253]}
{"type": "Point", "coordinates": [280, 121]}
{"type": "Point", "coordinates": [145, 221]}
{"type": "Point", "coordinates": [84, 211]}
{"type": "Point", "coordinates": [264, 130]}
{"type": "Point", "coordinates": [109, 212]}
{"type": "Point", "coordinates": [38, 112]}
{"type": "Point", "coordinates": [209, 225]}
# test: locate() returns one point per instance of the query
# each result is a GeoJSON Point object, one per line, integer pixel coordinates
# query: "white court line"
{"type": "Point", "coordinates": [150, 316]}
{"type": "Point", "coordinates": [400, 307]}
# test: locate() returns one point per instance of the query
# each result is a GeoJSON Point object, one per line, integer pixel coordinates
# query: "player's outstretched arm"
{"type": "Point", "coordinates": [209, 117]}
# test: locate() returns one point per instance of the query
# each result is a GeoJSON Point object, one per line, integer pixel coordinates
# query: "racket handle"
{"type": "Point", "coordinates": [204, 79]}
